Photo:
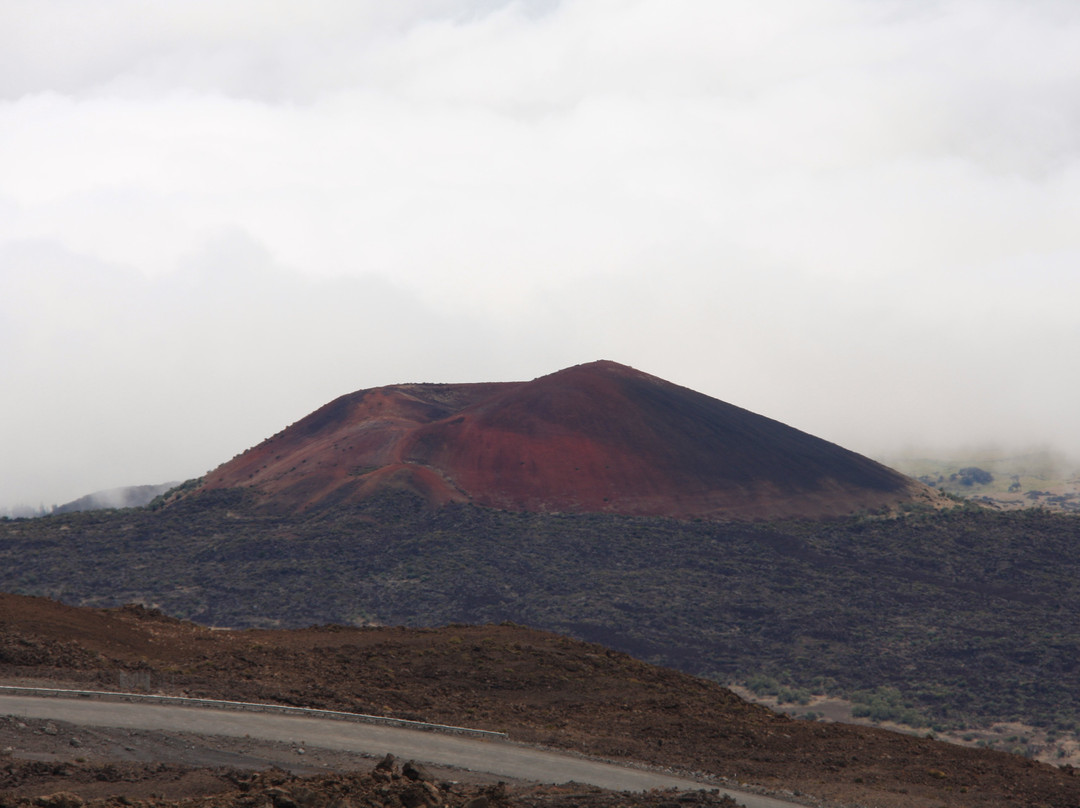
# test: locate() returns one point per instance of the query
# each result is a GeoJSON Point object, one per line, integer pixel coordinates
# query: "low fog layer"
{"type": "Point", "coordinates": [857, 218]}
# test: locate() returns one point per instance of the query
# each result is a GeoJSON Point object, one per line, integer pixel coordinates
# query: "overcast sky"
{"type": "Point", "coordinates": [860, 217]}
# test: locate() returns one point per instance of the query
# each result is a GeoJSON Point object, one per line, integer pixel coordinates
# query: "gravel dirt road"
{"type": "Point", "coordinates": [498, 758]}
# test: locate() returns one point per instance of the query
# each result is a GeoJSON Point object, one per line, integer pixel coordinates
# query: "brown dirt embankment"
{"type": "Point", "coordinates": [538, 687]}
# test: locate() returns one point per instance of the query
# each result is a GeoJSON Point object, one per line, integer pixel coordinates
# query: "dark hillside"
{"type": "Point", "coordinates": [970, 615]}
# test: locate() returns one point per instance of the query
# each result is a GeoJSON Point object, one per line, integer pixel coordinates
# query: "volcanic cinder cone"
{"type": "Point", "coordinates": [599, 437]}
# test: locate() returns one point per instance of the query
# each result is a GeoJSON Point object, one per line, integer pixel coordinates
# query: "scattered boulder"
{"type": "Point", "coordinates": [306, 797]}
{"type": "Point", "coordinates": [420, 795]}
{"type": "Point", "coordinates": [281, 798]}
{"type": "Point", "coordinates": [296, 797]}
{"type": "Point", "coordinates": [414, 771]}
{"type": "Point", "coordinates": [385, 770]}
{"type": "Point", "coordinates": [61, 799]}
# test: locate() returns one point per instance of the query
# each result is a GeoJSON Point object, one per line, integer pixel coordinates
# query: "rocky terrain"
{"type": "Point", "coordinates": [600, 437]}
{"type": "Point", "coordinates": [539, 687]}
{"type": "Point", "coordinates": [388, 783]}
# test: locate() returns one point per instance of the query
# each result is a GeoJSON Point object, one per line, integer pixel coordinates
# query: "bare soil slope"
{"type": "Point", "coordinates": [537, 686]}
{"type": "Point", "coordinates": [600, 437]}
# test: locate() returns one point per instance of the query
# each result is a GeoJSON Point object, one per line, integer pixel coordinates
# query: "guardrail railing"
{"type": "Point", "coordinates": [186, 701]}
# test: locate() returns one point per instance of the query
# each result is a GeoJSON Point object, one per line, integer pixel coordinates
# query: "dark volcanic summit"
{"type": "Point", "coordinates": [599, 437]}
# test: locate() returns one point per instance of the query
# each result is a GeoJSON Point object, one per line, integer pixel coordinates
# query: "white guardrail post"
{"type": "Point", "coordinates": [253, 706]}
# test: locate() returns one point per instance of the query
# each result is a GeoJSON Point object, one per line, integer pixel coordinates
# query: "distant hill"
{"type": "Point", "coordinates": [599, 437]}
{"type": "Point", "coordinates": [132, 496]}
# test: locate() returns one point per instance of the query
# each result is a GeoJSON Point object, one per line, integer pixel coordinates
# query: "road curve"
{"type": "Point", "coordinates": [499, 758]}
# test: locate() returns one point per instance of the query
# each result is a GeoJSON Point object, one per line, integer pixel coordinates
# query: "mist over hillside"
{"type": "Point", "coordinates": [131, 496]}
{"type": "Point", "coordinates": [997, 477]}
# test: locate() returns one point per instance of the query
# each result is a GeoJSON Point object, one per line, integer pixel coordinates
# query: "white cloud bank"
{"type": "Point", "coordinates": [856, 216]}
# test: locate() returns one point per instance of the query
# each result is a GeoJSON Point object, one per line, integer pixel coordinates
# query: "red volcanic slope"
{"type": "Point", "coordinates": [600, 437]}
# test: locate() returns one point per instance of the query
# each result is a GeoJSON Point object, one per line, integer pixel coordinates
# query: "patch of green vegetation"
{"type": "Point", "coordinates": [888, 704]}
{"type": "Point", "coordinates": [175, 492]}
